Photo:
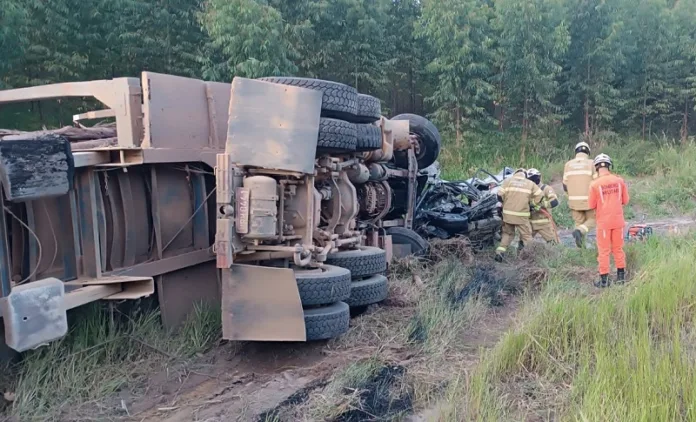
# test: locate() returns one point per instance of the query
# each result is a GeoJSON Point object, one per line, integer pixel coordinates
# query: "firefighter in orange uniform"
{"type": "Point", "coordinates": [607, 196]}
{"type": "Point", "coordinates": [577, 176]}
{"type": "Point", "coordinates": [519, 196]}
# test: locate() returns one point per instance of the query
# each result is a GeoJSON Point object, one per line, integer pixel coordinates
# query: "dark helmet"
{"type": "Point", "coordinates": [582, 147]}
{"type": "Point", "coordinates": [534, 175]}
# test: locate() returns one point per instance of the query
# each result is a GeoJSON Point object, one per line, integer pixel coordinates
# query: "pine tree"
{"type": "Point", "coordinates": [684, 16]}
{"type": "Point", "coordinates": [409, 82]}
{"type": "Point", "coordinates": [646, 86]}
{"type": "Point", "coordinates": [56, 42]}
{"type": "Point", "coordinates": [593, 58]}
{"type": "Point", "coordinates": [459, 33]}
{"type": "Point", "coordinates": [246, 38]}
{"type": "Point", "coordinates": [533, 38]}
{"type": "Point", "coordinates": [14, 20]}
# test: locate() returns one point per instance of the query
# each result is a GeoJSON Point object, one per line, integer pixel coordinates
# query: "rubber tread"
{"type": "Point", "coordinates": [369, 109]}
{"type": "Point", "coordinates": [321, 288]}
{"type": "Point", "coordinates": [402, 235]}
{"type": "Point", "coordinates": [369, 138]}
{"type": "Point", "coordinates": [429, 137]}
{"type": "Point", "coordinates": [327, 322]}
{"type": "Point", "coordinates": [368, 291]}
{"type": "Point", "coordinates": [337, 135]}
{"type": "Point", "coordinates": [338, 100]}
{"type": "Point", "coordinates": [362, 262]}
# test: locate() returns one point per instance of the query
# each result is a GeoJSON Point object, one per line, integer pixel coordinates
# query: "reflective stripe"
{"type": "Point", "coordinates": [578, 198]}
{"type": "Point", "coordinates": [583, 228]}
{"type": "Point", "coordinates": [579, 173]}
{"type": "Point", "coordinates": [500, 249]}
{"type": "Point", "coordinates": [552, 197]}
{"type": "Point", "coordinates": [543, 220]}
{"type": "Point", "coordinates": [516, 214]}
{"type": "Point", "coordinates": [522, 190]}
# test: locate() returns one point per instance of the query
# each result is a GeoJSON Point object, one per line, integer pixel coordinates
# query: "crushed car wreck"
{"type": "Point", "coordinates": [460, 208]}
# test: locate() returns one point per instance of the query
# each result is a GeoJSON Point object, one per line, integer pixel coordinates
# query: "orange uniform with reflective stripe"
{"type": "Point", "coordinates": [608, 195]}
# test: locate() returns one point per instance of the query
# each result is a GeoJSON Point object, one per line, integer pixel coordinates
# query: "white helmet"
{"type": "Point", "coordinates": [521, 170]}
{"type": "Point", "coordinates": [533, 172]}
{"type": "Point", "coordinates": [603, 159]}
{"type": "Point", "coordinates": [582, 145]}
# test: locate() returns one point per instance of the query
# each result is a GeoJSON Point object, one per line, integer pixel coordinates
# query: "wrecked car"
{"type": "Point", "coordinates": [460, 208]}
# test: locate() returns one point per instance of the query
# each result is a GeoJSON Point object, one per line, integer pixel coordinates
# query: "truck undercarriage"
{"type": "Point", "coordinates": [271, 199]}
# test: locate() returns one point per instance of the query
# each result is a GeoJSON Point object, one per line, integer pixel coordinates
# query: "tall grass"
{"type": "Point", "coordinates": [661, 173]}
{"type": "Point", "coordinates": [100, 355]}
{"type": "Point", "coordinates": [440, 316]}
{"type": "Point", "coordinates": [493, 151]}
{"type": "Point", "coordinates": [672, 189]}
{"type": "Point", "coordinates": [626, 355]}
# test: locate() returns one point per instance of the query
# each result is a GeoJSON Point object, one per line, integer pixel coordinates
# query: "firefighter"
{"type": "Point", "coordinates": [541, 220]}
{"type": "Point", "coordinates": [518, 196]}
{"type": "Point", "coordinates": [577, 176]}
{"type": "Point", "coordinates": [607, 196]}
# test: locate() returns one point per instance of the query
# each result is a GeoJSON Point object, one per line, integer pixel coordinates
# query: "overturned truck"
{"type": "Point", "coordinates": [273, 199]}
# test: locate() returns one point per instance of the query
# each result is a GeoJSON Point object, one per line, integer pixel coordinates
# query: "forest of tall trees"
{"type": "Point", "coordinates": [595, 66]}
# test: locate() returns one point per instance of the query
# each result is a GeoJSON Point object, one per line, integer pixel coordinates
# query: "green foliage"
{"type": "Point", "coordinates": [593, 60]}
{"type": "Point", "coordinates": [591, 345]}
{"type": "Point", "coordinates": [102, 354]}
{"type": "Point", "coordinates": [603, 66]}
{"type": "Point", "coordinates": [533, 38]}
{"type": "Point", "coordinates": [459, 34]}
{"type": "Point", "coordinates": [247, 38]}
{"type": "Point", "coordinates": [493, 150]}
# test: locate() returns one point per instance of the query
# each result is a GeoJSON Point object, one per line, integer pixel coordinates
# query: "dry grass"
{"type": "Point", "coordinates": [79, 375]}
{"type": "Point", "coordinates": [431, 326]}
{"type": "Point", "coordinates": [578, 347]}
{"type": "Point", "coordinates": [456, 248]}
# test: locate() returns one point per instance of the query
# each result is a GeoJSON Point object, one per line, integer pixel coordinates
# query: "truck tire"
{"type": "Point", "coordinates": [428, 139]}
{"type": "Point", "coordinates": [369, 138]}
{"type": "Point", "coordinates": [336, 135]}
{"type": "Point", "coordinates": [327, 322]}
{"type": "Point", "coordinates": [368, 291]}
{"type": "Point", "coordinates": [369, 109]}
{"type": "Point", "coordinates": [404, 236]}
{"type": "Point", "coordinates": [362, 262]}
{"type": "Point", "coordinates": [329, 284]}
{"type": "Point", "coordinates": [339, 101]}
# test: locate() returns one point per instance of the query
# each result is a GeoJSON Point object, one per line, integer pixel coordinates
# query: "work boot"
{"type": "Point", "coordinates": [498, 257]}
{"type": "Point", "coordinates": [620, 276]}
{"type": "Point", "coordinates": [577, 235]}
{"type": "Point", "coordinates": [603, 282]}
{"type": "Point", "coordinates": [520, 246]}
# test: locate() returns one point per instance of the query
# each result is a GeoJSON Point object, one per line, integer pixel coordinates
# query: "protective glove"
{"type": "Point", "coordinates": [534, 207]}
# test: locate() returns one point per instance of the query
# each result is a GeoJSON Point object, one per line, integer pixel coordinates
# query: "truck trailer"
{"type": "Point", "coordinates": [275, 200]}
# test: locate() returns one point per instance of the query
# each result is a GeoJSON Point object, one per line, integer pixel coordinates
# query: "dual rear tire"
{"type": "Point", "coordinates": [346, 116]}
{"type": "Point", "coordinates": [367, 266]}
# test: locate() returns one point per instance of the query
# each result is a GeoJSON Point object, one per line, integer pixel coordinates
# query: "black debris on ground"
{"type": "Point", "coordinates": [486, 283]}
{"type": "Point", "coordinates": [377, 398]}
{"type": "Point", "coordinates": [298, 397]}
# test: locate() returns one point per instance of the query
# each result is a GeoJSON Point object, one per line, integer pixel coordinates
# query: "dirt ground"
{"type": "Point", "coordinates": [253, 381]}
{"type": "Point", "coordinates": [273, 381]}
{"type": "Point", "coordinates": [241, 384]}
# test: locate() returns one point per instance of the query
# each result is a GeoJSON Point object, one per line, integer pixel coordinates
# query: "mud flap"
{"type": "Point", "coordinates": [261, 304]}
{"type": "Point", "coordinates": [34, 314]}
